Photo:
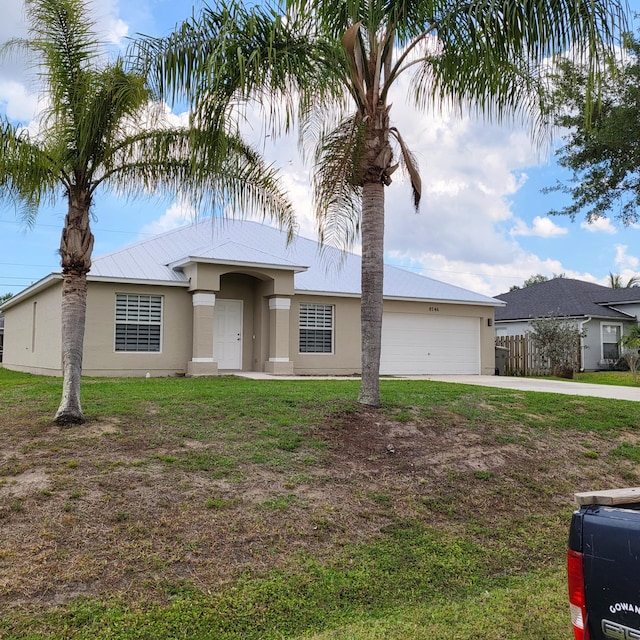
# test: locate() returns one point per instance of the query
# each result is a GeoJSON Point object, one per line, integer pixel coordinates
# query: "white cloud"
{"type": "Point", "coordinates": [111, 28]}
{"type": "Point", "coordinates": [117, 32]}
{"type": "Point", "coordinates": [177, 215]}
{"type": "Point", "coordinates": [599, 225]}
{"type": "Point", "coordinates": [489, 278]}
{"type": "Point", "coordinates": [623, 260]}
{"type": "Point", "coordinates": [541, 227]}
{"type": "Point", "coordinates": [18, 103]}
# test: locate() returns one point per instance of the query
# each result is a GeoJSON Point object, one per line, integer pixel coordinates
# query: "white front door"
{"type": "Point", "coordinates": [228, 334]}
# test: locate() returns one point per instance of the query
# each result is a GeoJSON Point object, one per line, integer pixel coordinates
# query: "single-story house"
{"type": "Point", "coordinates": [604, 314]}
{"type": "Point", "coordinates": [227, 295]}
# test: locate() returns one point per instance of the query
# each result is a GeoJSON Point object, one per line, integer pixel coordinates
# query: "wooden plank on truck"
{"type": "Point", "coordinates": [609, 497]}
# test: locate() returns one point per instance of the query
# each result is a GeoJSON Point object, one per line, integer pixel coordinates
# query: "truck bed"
{"type": "Point", "coordinates": [608, 537]}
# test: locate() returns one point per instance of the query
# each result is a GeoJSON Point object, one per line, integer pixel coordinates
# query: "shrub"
{"type": "Point", "coordinates": [558, 340]}
{"type": "Point", "coordinates": [631, 350]}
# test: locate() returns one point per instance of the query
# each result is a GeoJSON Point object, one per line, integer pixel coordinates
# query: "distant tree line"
{"type": "Point", "coordinates": [615, 281]}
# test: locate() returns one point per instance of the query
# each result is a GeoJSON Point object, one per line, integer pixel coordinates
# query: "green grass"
{"type": "Point", "coordinates": [235, 509]}
{"type": "Point", "coordinates": [620, 378]}
{"type": "Point", "coordinates": [628, 451]}
{"type": "Point", "coordinates": [409, 565]}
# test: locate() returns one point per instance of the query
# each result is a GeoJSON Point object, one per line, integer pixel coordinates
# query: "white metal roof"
{"type": "Point", "coordinates": [241, 242]}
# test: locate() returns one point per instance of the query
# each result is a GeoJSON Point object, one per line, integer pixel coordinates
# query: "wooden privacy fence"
{"type": "Point", "coordinates": [522, 358]}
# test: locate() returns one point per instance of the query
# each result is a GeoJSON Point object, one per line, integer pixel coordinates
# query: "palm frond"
{"type": "Point", "coordinates": [357, 62]}
{"type": "Point", "coordinates": [211, 170]}
{"type": "Point", "coordinates": [491, 54]}
{"type": "Point", "coordinates": [28, 176]}
{"type": "Point", "coordinates": [114, 108]}
{"type": "Point", "coordinates": [64, 48]}
{"type": "Point", "coordinates": [410, 165]}
{"type": "Point", "coordinates": [337, 192]}
{"type": "Point", "coordinates": [229, 53]}
{"type": "Point", "coordinates": [495, 89]}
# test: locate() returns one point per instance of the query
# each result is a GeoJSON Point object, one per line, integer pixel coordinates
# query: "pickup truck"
{"type": "Point", "coordinates": [603, 563]}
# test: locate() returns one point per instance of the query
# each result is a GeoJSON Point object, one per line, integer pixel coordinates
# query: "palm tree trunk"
{"type": "Point", "coordinates": [76, 247]}
{"type": "Point", "coordinates": [74, 303]}
{"type": "Point", "coordinates": [372, 290]}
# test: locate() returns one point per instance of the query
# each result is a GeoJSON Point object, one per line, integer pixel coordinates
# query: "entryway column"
{"type": "Point", "coordinates": [202, 362]}
{"type": "Point", "coordinates": [279, 362]}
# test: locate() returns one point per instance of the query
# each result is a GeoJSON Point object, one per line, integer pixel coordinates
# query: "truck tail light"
{"type": "Point", "coordinates": [577, 605]}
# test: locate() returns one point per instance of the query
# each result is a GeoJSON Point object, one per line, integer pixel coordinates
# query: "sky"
{"type": "Point", "coordinates": [482, 224]}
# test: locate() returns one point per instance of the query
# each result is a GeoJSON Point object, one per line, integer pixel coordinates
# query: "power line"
{"type": "Point", "coordinates": [24, 264]}
{"type": "Point", "coordinates": [27, 227]}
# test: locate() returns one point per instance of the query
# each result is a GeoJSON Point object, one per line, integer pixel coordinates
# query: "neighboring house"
{"type": "Point", "coordinates": [605, 314]}
{"type": "Point", "coordinates": [233, 296]}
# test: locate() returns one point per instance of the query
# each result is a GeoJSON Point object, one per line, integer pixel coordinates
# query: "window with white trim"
{"type": "Point", "coordinates": [611, 333]}
{"type": "Point", "coordinates": [316, 328]}
{"type": "Point", "coordinates": [138, 322]}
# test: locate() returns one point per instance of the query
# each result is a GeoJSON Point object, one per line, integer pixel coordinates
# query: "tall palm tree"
{"type": "Point", "coordinates": [99, 131]}
{"type": "Point", "coordinates": [332, 65]}
{"type": "Point", "coordinates": [616, 282]}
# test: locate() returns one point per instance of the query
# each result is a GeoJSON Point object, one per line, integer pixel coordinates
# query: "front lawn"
{"type": "Point", "coordinates": [232, 508]}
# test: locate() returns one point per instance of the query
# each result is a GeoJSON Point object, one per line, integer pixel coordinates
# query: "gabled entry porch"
{"type": "Point", "coordinates": [241, 318]}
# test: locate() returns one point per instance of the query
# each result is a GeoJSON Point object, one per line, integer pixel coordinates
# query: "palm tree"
{"type": "Point", "coordinates": [100, 130]}
{"type": "Point", "coordinates": [332, 65]}
{"type": "Point", "coordinates": [615, 281]}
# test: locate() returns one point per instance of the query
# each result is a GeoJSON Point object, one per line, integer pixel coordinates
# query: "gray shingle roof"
{"type": "Point", "coordinates": [564, 297]}
{"type": "Point", "coordinates": [244, 242]}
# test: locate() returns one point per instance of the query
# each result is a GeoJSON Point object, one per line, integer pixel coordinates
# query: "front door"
{"type": "Point", "coordinates": [228, 334]}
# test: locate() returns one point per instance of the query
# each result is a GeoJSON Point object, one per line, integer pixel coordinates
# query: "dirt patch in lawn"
{"type": "Point", "coordinates": [130, 508]}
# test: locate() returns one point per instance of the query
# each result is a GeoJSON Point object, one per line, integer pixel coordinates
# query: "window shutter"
{"type": "Point", "coordinates": [316, 328]}
{"type": "Point", "coordinates": [138, 322]}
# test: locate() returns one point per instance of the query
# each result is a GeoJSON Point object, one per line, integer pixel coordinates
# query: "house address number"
{"type": "Point", "coordinates": [434, 309]}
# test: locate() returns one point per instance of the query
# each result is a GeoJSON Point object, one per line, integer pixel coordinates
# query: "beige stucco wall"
{"type": "Point", "coordinates": [35, 346]}
{"type": "Point", "coordinates": [345, 360]}
{"type": "Point", "coordinates": [100, 356]}
{"type": "Point", "coordinates": [210, 277]}
{"type": "Point", "coordinates": [346, 357]}
{"type": "Point", "coordinates": [32, 330]}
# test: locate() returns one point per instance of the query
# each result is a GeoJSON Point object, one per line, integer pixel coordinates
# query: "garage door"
{"type": "Point", "coordinates": [416, 344]}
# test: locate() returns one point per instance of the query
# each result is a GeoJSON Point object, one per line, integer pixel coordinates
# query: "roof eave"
{"type": "Point", "coordinates": [475, 303]}
{"type": "Point", "coordinates": [613, 303]}
{"type": "Point", "coordinates": [344, 294]}
{"type": "Point", "coordinates": [180, 264]}
{"type": "Point", "coordinates": [44, 283]}
{"type": "Point", "coordinates": [590, 316]}
{"type": "Point", "coordinates": [143, 281]}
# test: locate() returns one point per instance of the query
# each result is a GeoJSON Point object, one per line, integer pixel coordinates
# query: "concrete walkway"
{"type": "Point", "coordinates": [502, 382]}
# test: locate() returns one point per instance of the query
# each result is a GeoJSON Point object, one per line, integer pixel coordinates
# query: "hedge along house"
{"type": "Point", "coordinates": [225, 295]}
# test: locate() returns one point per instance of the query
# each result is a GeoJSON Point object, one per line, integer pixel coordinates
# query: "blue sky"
{"type": "Point", "coordinates": [482, 223]}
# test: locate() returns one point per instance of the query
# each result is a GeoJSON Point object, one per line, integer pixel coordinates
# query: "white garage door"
{"type": "Point", "coordinates": [416, 344]}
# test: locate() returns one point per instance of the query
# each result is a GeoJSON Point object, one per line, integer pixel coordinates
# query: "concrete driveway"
{"type": "Point", "coordinates": [548, 386]}
{"type": "Point", "coordinates": [501, 382]}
